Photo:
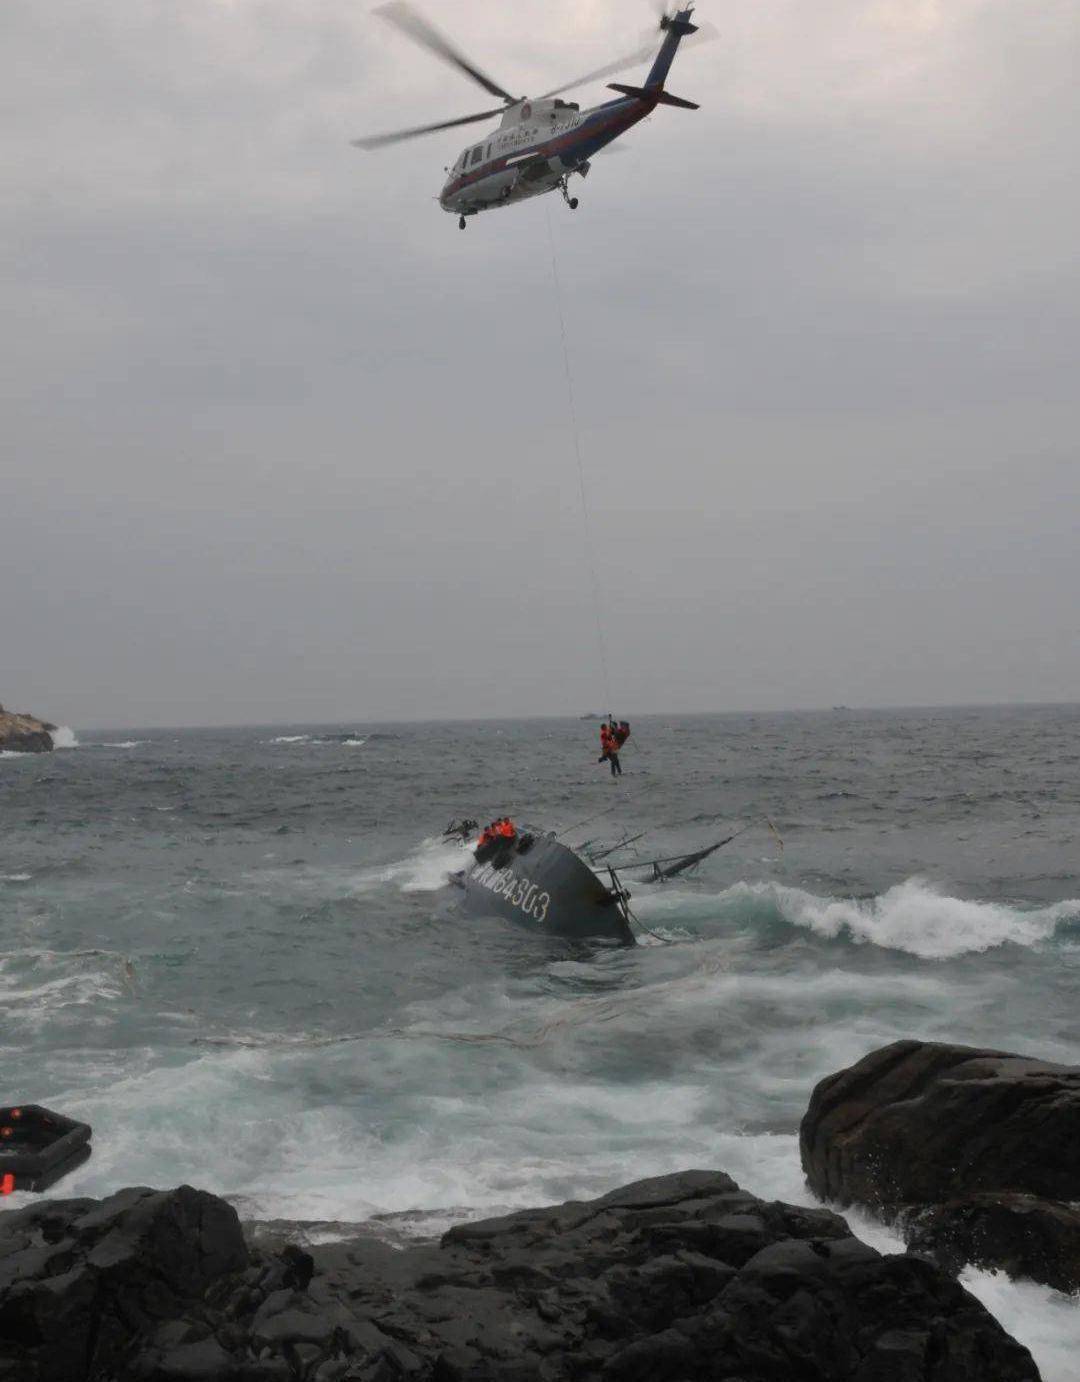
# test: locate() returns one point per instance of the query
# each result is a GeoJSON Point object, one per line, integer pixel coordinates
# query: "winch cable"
{"type": "Point", "coordinates": [586, 527]}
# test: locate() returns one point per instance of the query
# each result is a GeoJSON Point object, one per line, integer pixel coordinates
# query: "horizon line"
{"type": "Point", "coordinates": [589, 715]}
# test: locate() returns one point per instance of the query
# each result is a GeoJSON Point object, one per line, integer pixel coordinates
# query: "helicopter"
{"type": "Point", "coordinates": [540, 142]}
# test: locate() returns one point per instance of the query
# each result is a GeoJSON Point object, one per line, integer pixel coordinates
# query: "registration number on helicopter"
{"type": "Point", "coordinates": [521, 893]}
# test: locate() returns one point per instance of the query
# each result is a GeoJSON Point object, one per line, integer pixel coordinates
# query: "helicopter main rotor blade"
{"type": "Point", "coordinates": [608, 70]}
{"type": "Point", "coordinates": [415, 26]}
{"type": "Point", "coordinates": [379, 141]}
{"type": "Point", "coordinates": [705, 34]}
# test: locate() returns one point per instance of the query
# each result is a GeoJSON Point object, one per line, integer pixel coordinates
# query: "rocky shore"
{"type": "Point", "coordinates": [975, 1154]}
{"type": "Point", "coordinates": [676, 1279]}
{"type": "Point", "coordinates": [24, 733]}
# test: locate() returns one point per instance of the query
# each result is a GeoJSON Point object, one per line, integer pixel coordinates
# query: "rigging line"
{"type": "Point", "coordinates": [586, 525]}
{"type": "Point", "coordinates": [605, 811]}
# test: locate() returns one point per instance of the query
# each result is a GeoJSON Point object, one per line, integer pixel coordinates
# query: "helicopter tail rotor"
{"type": "Point", "coordinates": [675, 27]}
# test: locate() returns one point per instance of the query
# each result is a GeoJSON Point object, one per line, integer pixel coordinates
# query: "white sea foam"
{"type": "Point", "coordinates": [914, 916]}
{"type": "Point", "coordinates": [1043, 1320]}
{"type": "Point", "coordinates": [64, 738]}
{"type": "Point", "coordinates": [126, 744]}
{"type": "Point", "coordinates": [36, 986]}
{"type": "Point", "coordinates": [15, 877]}
{"type": "Point", "coordinates": [425, 870]}
{"type": "Point", "coordinates": [355, 743]}
{"type": "Point", "coordinates": [290, 739]}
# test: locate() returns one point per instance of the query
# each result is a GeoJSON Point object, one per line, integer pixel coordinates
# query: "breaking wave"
{"type": "Point", "coordinates": [352, 741]}
{"type": "Point", "coordinates": [916, 917]}
{"type": "Point", "coordinates": [64, 738]}
{"type": "Point", "coordinates": [425, 870]}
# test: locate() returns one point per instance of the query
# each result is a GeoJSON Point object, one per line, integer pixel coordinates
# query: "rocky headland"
{"type": "Point", "coordinates": [974, 1154]}
{"type": "Point", "coordinates": [682, 1278]}
{"type": "Point", "coordinates": [24, 733]}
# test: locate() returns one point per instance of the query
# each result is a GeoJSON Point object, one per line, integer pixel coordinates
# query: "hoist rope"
{"type": "Point", "coordinates": [586, 527]}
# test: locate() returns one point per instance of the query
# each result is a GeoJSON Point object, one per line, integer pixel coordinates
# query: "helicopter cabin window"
{"type": "Point", "coordinates": [478, 153]}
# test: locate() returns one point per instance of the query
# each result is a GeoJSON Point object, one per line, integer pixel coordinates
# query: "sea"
{"type": "Point", "coordinates": [234, 953]}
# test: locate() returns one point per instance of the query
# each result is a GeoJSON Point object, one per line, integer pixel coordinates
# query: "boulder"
{"type": "Point", "coordinates": [82, 1282]}
{"type": "Point", "coordinates": [681, 1278]}
{"type": "Point", "coordinates": [1018, 1234]}
{"type": "Point", "coordinates": [988, 1139]}
{"type": "Point", "coordinates": [24, 733]}
{"type": "Point", "coordinates": [921, 1122]}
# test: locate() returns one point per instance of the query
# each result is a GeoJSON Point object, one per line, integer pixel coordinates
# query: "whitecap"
{"type": "Point", "coordinates": [15, 877]}
{"type": "Point", "coordinates": [917, 917]}
{"type": "Point", "coordinates": [425, 870]}
{"type": "Point", "coordinates": [914, 916]}
{"type": "Point", "coordinates": [126, 744]}
{"type": "Point", "coordinates": [290, 739]}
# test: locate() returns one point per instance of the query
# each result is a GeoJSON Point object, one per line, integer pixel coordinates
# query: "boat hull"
{"type": "Point", "coordinates": [540, 883]}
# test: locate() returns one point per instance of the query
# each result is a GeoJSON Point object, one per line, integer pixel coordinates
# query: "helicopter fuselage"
{"type": "Point", "coordinates": [538, 144]}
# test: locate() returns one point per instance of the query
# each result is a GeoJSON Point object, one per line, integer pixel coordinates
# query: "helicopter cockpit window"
{"type": "Point", "coordinates": [478, 153]}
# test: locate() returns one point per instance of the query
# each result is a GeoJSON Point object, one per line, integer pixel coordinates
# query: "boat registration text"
{"type": "Point", "coordinates": [527, 896]}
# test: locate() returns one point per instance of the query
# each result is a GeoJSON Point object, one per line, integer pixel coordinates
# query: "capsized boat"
{"type": "Point", "coordinates": [536, 880]}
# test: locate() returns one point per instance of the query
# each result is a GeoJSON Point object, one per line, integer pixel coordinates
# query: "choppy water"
{"type": "Point", "coordinates": [229, 951]}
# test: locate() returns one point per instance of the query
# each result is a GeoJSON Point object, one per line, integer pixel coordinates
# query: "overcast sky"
{"type": "Point", "coordinates": [281, 444]}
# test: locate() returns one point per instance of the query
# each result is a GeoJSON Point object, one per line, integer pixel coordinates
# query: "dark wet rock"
{"type": "Point", "coordinates": [678, 1279]}
{"type": "Point", "coordinates": [1019, 1234]}
{"type": "Point", "coordinates": [24, 733]}
{"type": "Point", "coordinates": [921, 1122]}
{"type": "Point", "coordinates": [976, 1152]}
{"type": "Point", "coordinates": [86, 1284]}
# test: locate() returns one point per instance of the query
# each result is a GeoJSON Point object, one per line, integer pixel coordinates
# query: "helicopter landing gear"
{"type": "Point", "coordinates": [462, 223]}
{"type": "Point", "coordinates": [571, 202]}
